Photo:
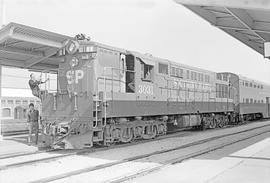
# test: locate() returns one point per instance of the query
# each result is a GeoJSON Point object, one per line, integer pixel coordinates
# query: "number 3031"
{"type": "Point", "coordinates": [144, 89]}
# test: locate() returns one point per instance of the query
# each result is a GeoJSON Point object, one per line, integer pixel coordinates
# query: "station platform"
{"type": "Point", "coordinates": [249, 165]}
{"type": "Point", "coordinates": [15, 145]}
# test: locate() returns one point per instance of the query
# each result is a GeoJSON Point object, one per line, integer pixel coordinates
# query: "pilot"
{"type": "Point", "coordinates": [34, 85]}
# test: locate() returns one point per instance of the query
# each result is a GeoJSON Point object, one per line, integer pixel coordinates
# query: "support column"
{"type": "Point", "coordinates": [1, 137]}
{"type": "Point", "coordinates": [2, 22]}
{"type": "Point", "coordinates": [267, 49]}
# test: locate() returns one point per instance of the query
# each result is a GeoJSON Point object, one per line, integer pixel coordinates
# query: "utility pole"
{"type": "Point", "coordinates": [2, 22]}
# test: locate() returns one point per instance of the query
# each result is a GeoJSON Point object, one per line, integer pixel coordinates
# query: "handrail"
{"type": "Point", "coordinates": [105, 97]}
{"type": "Point", "coordinates": [96, 107]}
{"type": "Point", "coordinates": [112, 78]}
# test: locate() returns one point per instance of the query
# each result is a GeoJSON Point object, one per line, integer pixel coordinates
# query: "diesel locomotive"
{"type": "Point", "coordinates": [106, 95]}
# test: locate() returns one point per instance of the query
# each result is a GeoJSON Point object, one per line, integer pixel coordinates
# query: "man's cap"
{"type": "Point", "coordinates": [31, 104]}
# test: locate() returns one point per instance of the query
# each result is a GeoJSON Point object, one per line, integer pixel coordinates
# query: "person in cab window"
{"type": "Point", "coordinates": [148, 75]}
{"type": "Point", "coordinates": [34, 85]}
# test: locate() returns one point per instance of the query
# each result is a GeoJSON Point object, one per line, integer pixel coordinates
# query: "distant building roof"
{"type": "Point", "coordinates": [7, 92]}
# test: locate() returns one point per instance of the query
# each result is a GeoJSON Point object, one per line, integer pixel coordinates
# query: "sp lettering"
{"type": "Point", "coordinates": [73, 76]}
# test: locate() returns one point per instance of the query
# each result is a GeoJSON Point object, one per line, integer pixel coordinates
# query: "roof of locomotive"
{"type": "Point", "coordinates": [150, 57]}
{"type": "Point", "coordinates": [156, 60]}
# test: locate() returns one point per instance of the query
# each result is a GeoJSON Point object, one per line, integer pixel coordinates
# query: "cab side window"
{"type": "Point", "coordinates": [146, 72]}
{"type": "Point", "coordinates": [163, 68]}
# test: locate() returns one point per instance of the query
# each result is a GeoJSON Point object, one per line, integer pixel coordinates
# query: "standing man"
{"type": "Point", "coordinates": [34, 85]}
{"type": "Point", "coordinates": [32, 120]}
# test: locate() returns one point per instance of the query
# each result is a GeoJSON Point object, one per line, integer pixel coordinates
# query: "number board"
{"type": "Point", "coordinates": [146, 89]}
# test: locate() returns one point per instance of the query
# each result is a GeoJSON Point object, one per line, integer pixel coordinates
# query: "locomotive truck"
{"type": "Point", "coordinates": [107, 94]}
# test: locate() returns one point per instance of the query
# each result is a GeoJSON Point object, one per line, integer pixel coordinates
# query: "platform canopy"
{"type": "Point", "coordinates": [246, 20]}
{"type": "Point", "coordinates": [30, 48]}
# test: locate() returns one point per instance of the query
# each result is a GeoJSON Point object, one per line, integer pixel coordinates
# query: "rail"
{"type": "Point", "coordinates": [244, 133]}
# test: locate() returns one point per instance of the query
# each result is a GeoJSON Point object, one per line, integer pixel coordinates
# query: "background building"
{"type": "Point", "coordinates": [16, 107]}
{"type": "Point", "coordinates": [16, 96]}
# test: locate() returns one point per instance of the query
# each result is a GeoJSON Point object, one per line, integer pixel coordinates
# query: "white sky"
{"type": "Point", "coordinates": [160, 27]}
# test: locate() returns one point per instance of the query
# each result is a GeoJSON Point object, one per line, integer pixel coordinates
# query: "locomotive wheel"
{"type": "Point", "coordinates": [213, 124]}
{"type": "Point", "coordinates": [161, 129]}
{"type": "Point", "coordinates": [115, 134]}
{"type": "Point", "coordinates": [203, 126]}
{"type": "Point", "coordinates": [226, 120]}
{"type": "Point", "coordinates": [221, 122]}
{"type": "Point", "coordinates": [126, 135]}
{"type": "Point", "coordinates": [151, 132]}
{"type": "Point", "coordinates": [138, 132]}
{"type": "Point", "coordinates": [154, 134]}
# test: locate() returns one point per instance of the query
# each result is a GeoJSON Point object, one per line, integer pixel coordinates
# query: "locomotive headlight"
{"type": "Point", "coordinates": [72, 46]}
{"type": "Point", "coordinates": [74, 62]}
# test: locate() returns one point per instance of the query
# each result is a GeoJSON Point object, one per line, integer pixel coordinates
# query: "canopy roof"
{"type": "Point", "coordinates": [246, 20]}
{"type": "Point", "coordinates": [30, 48]}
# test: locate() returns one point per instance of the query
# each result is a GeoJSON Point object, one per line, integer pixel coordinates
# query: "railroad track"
{"type": "Point", "coordinates": [39, 158]}
{"type": "Point", "coordinates": [170, 134]}
{"type": "Point", "coordinates": [66, 153]}
{"type": "Point", "coordinates": [25, 132]}
{"type": "Point", "coordinates": [14, 133]}
{"type": "Point", "coordinates": [156, 153]}
{"type": "Point", "coordinates": [183, 158]}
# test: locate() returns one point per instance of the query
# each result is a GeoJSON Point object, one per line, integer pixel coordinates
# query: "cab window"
{"type": "Point", "coordinates": [163, 68]}
{"type": "Point", "coordinates": [146, 72]}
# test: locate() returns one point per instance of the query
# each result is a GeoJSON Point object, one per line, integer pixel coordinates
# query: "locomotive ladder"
{"type": "Point", "coordinates": [100, 100]}
{"type": "Point", "coordinates": [97, 118]}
